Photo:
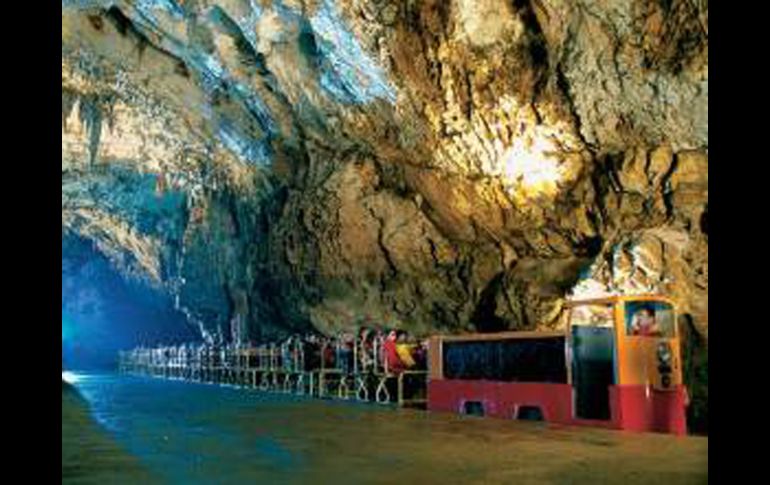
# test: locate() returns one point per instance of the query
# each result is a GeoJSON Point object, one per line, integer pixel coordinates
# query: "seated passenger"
{"type": "Point", "coordinates": [365, 349]}
{"type": "Point", "coordinates": [405, 350]}
{"type": "Point", "coordinates": [297, 354]}
{"type": "Point", "coordinates": [390, 354]}
{"type": "Point", "coordinates": [311, 350]}
{"type": "Point", "coordinates": [378, 348]}
{"type": "Point", "coordinates": [344, 352]}
{"type": "Point", "coordinates": [286, 353]}
{"type": "Point", "coordinates": [421, 355]}
{"type": "Point", "coordinates": [328, 349]}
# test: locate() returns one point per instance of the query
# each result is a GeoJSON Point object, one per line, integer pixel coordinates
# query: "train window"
{"type": "Point", "coordinates": [529, 413]}
{"type": "Point", "coordinates": [593, 316]}
{"type": "Point", "coordinates": [507, 360]}
{"type": "Point", "coordinates": [473, 408]}
{"type": "Point", "coordinates": [650, 319]}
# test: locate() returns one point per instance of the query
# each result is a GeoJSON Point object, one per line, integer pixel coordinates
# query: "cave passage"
{"type": "Point", "coordinates": [248, 187]}
{"type": "Point", "coordinates": [103, 313]}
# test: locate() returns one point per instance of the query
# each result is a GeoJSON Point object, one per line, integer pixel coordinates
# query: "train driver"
{"type": "Point", "coordinates": [644, 323]}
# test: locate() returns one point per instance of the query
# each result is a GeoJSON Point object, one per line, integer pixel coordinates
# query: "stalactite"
{"type": "Point", "coordinates": [91, 117]}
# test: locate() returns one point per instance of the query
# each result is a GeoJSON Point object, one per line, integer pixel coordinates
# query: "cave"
{"type": "Point", "coordinates": [103, 312]}
{"type": "Point", "coordinates": [237, 172]}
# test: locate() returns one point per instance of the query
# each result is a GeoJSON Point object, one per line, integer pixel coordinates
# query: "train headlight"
{"type": "Point", "coordinates": [664, 353]}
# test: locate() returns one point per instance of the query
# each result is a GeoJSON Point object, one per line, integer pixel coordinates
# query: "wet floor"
{"type": "Point", "coordinates": [121, 429]}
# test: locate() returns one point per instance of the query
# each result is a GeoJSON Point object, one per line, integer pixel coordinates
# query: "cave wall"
{"type": "Point", "coordinates": [433, 165]}
{"type": "Point", "coordinates": [274, 166]}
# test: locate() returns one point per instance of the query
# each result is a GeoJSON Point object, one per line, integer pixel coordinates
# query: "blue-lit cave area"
{"type": "Point", "coordinates": [103, 313]}
{"type": "Point", "coordinates": [302, 237]}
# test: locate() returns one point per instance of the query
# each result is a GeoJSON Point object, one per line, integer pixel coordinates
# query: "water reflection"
{"type": "Point", "coordinates": [89, 453]}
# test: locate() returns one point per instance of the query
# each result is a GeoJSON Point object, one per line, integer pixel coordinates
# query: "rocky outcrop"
{"type": "Point", "coordinates": [439, 166]}
{"type": "Point", "coordinates": [285, 165]}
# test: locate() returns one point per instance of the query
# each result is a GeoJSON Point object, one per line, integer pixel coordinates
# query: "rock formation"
{"type": "Point", "coordinates": [435, 165]}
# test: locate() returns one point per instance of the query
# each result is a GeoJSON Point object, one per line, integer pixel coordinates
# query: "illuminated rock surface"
{"type": "Point", "coordinates": [434, 165]}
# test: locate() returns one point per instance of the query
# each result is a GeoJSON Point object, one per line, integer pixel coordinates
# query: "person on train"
{"type": "Point", "coordinates": [420, 354]}
{"type": "Point", "coordinates": [390, 354]}
{"type": "Point", "coordinates": [644, 323]}
{"type": "Point", "coordinates": [344, 348]}
{"type": "Point", "coordinates": [378, 347]}
{"type": "Point", "coordinates": [312, 351]}
{"type": "Point", "coordinates": [297, 353]}
{"type": "Point", "coordinates": [365, 349]}
{"type": "Point", "coordinates": [328, 351]}
{"type": "Point", "coordinates": [286, 354]}
{"type": "Point", "coordinates": [405, 350]}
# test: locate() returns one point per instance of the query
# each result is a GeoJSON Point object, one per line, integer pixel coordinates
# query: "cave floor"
{"type": "Point", "coordinates": [130, 429]}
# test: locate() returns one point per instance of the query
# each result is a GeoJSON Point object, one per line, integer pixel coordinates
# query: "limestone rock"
{"type": "Point", "coordinates": [436, 165]}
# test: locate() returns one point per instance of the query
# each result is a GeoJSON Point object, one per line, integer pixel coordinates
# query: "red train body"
{"type": "Point", "coordinates": [599, 371]}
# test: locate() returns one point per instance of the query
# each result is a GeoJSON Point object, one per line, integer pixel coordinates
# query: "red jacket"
{"type": "Point", "coordinates": [391, 356]}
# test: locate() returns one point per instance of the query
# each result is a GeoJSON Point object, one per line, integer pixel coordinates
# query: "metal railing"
{"type": "Point", "coordinates": [342, 369]}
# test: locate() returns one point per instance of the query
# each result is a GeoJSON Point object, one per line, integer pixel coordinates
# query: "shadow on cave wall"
{"type": "Point", "coordinates": [484, 318]}
{"type": "Point", "coordinates": [695, 374]}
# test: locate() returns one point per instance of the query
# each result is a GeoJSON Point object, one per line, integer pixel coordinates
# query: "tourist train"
{"type": "Point", "coordinates": [614, 362]}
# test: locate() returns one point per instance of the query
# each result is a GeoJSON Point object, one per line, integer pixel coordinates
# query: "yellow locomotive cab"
{"type": "Point", "coordinates": [647, 339]}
